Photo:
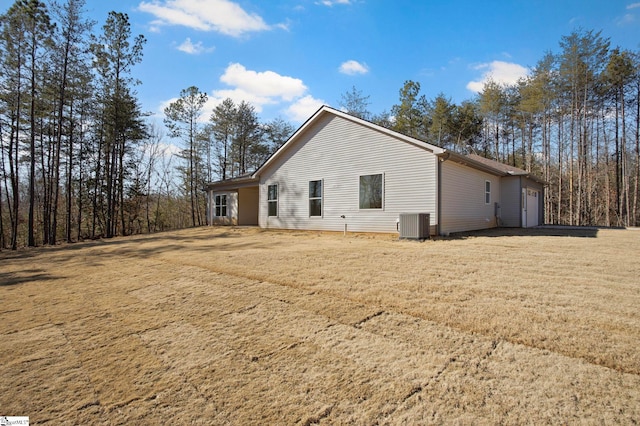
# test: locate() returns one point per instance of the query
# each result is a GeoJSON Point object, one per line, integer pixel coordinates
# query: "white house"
{"type": "Point", "coordinates": [337, 170]}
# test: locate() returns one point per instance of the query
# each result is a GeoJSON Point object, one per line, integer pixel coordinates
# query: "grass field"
{"type": "Point", "coordinates": [244, 326]}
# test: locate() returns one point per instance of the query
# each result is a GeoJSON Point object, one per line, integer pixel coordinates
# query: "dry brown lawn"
{"type": "Point", "coordinates": [243, 326]}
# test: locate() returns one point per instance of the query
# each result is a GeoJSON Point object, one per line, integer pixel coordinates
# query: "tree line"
{"type": "Point", "coordinates": [573, 121]}
{"type": "Point", "coordinates": [229, 143]}
{"type": "Point", "coordinates": [69, 120]}
{"type": "Point", "coordinates": [80, 159]}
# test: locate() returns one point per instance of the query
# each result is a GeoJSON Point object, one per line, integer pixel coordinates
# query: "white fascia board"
{"type": "Point", "coordinates": [466, 161]}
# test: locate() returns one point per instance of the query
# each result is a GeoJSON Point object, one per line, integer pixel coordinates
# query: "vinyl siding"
{"type": "Point", "coordinates": [248, 206]}
{"type": "Point", "coordinates": [512, 200]}
{"type": "Point", "coordinates": [339, 151]}
{"type": "Point", "coordinates": [463, 199]}
{"type": "Point", "coordinates": [232, 208]}
{"type": "Point", "coordinates": [510, 207]}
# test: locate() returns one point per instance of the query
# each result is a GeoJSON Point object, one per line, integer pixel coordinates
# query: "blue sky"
{"type": "Point", "coordinates": [288, 57]}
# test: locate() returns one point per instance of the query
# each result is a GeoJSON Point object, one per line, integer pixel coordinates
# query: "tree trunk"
{"type": "Point", "coordinates": [560, 169]}
{"type": "Point", "coordinates": [32, 148]}
{"type": "Point", "coordinates": [3, 183]}
{"type": "Point", "coordinates": [636, 190]}
{"type": "Point", "coordinates": [98, 177]}
{"type": "Point", "coordinates": [623, 160]}
{"type": "Point", "coordinates": [69, 183]}
{"type": "Point", "coordinates": [618, 170]}
{"type": "Point", "coordinates": [121, 185]}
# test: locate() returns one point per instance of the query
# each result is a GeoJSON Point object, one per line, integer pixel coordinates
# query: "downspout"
{"type": "Point", "coordinates": [522, 203]}
{"type": "Point", "coordinates": [542, 207]}
{"type": "Point", "coordinates": [441, 159]}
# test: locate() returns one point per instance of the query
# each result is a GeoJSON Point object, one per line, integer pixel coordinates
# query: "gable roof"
{"type": "Point", "coordinates": [504, 168]}
{"type": "Point", "coordinates": [489, 165]}
{"type": "Point", "coordinates": [323, 111]}
{"type": "Point", "coordinates": [233, 183]}
{"type": "Point", "coordinates": [472, 160]}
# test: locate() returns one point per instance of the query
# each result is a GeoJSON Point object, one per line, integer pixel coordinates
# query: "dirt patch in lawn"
{"type": "Point", "coordinates": [244, 326]}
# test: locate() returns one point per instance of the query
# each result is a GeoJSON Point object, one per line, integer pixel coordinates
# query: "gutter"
{"type": "Point", "coordinates": [529, 176]}
{"type": "Point", "coordinates": [466, 161]}
{"type": "Point", "coordinates": [233, 184]}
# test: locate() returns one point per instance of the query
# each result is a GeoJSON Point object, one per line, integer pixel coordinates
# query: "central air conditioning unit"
{"type": "Point", "coordinates": [414, 226]}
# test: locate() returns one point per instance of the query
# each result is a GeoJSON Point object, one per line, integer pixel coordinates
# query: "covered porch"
{"type": "Point", "coordinates": [233, 202]}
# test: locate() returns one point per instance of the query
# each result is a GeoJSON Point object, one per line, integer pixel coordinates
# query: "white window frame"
{"type": "Point", "coordinates": [320, 198]}
{"type": "Point", "coordinates": [487, 192]}
{"type": "Point", "coordinates": [382, 182]}
{"type": "Point", "coordinates": [220, 205]}
{"type": "Point", "coordinates": [271, 201]}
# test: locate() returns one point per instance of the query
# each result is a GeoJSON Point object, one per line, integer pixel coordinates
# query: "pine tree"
{"type": "Point", "coordinates": [246, 140]}
{"type": "Point", "coordinates": [182, 119]}
{"type": "Point", "coordinates": [492, 107]}
{"type": "Point", "coordinates": [222, 128]}
{"type": "Point", "coordinates": [440, 113]}
{"type": "Point", "coordinates": [355, 103]}
{"type": "Point", "coordinates": [276, 133]}
{"type": "Point", "coordinates": [410, 113]}
{"type": "Point", "coordinates": [466, 125]}
{"type": "Point", "coordinates": [119, 118]}
{"type": "Point", "coordinates": [619, 75]}
{"type": "Point", "coordinates": [70, 67]}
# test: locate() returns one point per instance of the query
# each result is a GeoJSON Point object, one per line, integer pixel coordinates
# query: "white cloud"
{"type": "Point", "coordinates": [332, 2]}
{"type": "Point", "coordinates": [353, 67]}
{"type": "Point", "coordinates": [223, 16]}
{"type": "Point", "coordinates": [286, 26]}
{"type": "Point", "coordinates": [575, 21]}
{"type": "Point", "coordinates": [260, 89]}
{"type": "Point", "coordinates": [189, 47]}
{"type": "Point", "coordinates": [237, 96]}
{"type": "Point", "coordinates": [505, 73]}
{"type": "Point", "coordinates": [266, 84]}
{"type": "Point", "coordinates": [303, 108]}
{"type": "Point", "coordinates": [626, 19]}
{"type": "Point", "coordinates": [164, 105]}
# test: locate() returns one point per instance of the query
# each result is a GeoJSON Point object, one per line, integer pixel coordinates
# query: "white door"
{"type": "Point", "coordinates": [530, 200]}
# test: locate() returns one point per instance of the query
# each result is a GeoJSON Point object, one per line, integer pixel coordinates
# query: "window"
{"type": "Point", "coordinates": [272, 200]}
{"type": "Point", "coordinates": [487, 192]}
{"type": "Point", "coordinates": [371, 192]}
{"type": "Point", "coordinates": [221, 205]}
{"type": "Point", "coordinates": [315, 198]}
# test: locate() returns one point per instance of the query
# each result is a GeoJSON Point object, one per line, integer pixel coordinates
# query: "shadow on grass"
{"type": "Point", "coordinates": [149, 244]}
{"type": "Point", "coordinates": [540, 231]}
{"type": "Point", "coordinates": [23, 277]}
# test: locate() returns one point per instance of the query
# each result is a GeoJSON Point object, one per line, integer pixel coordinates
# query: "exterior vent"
{"type": "Point", "coordinates": [414, 226]}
